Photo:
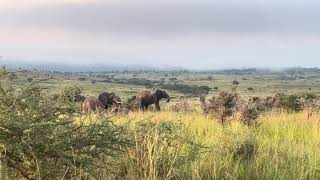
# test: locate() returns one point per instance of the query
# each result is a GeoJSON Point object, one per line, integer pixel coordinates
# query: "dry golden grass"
{"type": "Point", "coordinates": [282, 146]}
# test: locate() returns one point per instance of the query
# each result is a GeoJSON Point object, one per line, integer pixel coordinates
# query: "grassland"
{"type": "Point", "coordinates": [192, 145]}
{"type": "Point", "coordinates": [263, 84]}
{"type": "Point", "coordinates": [283, 146]}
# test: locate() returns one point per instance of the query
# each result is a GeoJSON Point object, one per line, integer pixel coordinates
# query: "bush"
{"type": "Point", "coordinates": [39, 139]}
{"type": "Point", "coordinates": [81, 79]}
{"type": "Point", "coordinates": [29, 79]}
{"type": "Point", "coordinates": [309, 96]}
{"type": "Point", "coordinates": [223, 106]}
{"type": "Point", "coordinates": [265, 104]}
{"type": "Point", "coordinates": [132, 104]}
{"type": "Point", "coordinates": [248, 115]}
{"type": "Point", "coordinates": [290, 103]}
{"type": "Point", "coordinates": [181, 106]}
{"type": "Point", "coordinates": [250, 88]}
{"type": "Point", "coordinates": [93, 81]}
{"type": "Point", "coordinates": [235, 82]}
{"type": "Point", "coordinates": [72, 94]}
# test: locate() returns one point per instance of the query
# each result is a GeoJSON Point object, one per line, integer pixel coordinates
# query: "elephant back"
{"type": "Point", "coordinates": [91, 104]}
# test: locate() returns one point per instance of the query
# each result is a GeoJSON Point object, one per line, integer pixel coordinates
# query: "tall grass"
{"type": "Point", "coordinates": [283, 146]}
{"type": "Point", "coordinates": [190, 145]}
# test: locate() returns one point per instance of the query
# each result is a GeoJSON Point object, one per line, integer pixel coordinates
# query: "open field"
{"type": "Point", "coordinates": [260, 83]}
{"type": "Point", "coordinates": [155, 145]}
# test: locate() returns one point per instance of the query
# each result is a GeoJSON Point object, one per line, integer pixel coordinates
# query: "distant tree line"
{"type": "Point", "coordinates": [132, 81]}
{"type": "Point", "coordinates": [187, 89]}
{"type": "Point", "coordinates": [173, 86]}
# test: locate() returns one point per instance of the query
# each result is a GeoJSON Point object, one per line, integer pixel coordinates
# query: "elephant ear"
{"type": "Point", "coordinates": [159, 94]}
{"type": "Point", "coordinates": [110, 98]}
{"type": "Point", "coordinates": [104, 98]}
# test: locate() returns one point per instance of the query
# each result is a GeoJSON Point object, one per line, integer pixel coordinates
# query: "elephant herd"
{"type": "Point", "coordinates": [107, 100]}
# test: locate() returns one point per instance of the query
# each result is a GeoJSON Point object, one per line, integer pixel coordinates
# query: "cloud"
{"type": "Point", "coordinates": [168, 19]}
{"type": "Point", "coordinates": [188, 33]}
{"type": "Point", "coordinates": [40, 3]}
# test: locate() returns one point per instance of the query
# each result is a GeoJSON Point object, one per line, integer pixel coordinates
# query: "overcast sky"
{"type": "Point", "coordinates": [196, 34]}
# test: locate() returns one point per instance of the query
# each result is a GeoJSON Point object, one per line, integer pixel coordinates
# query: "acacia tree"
{"type": "Point", "coordinates": [39, 139]}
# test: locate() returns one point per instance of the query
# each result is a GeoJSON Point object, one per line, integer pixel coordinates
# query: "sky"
{"type": "Point", "coordinates": [195, 34]}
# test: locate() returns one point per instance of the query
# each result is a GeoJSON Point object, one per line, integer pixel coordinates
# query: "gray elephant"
{"type": "Point", "coordinates": [109, 99]}
{"type": "Point", "coordinates": [147, 98]}
{"type": "Point", "coordinates": [92, 104]}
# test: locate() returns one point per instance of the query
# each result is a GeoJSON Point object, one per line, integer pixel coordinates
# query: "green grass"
{"type": "Point", "coordinates": [263, 85]}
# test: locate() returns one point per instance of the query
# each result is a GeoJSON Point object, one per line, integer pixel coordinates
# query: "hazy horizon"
{"type": "Point", "coordinates": [196, 34]}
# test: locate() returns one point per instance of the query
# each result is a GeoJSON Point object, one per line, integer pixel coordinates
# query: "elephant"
{"type": "Point", "coordinates": [109, 99]}
{"type": "Point", "coordinates": [92, 104]}
{"type": "Point", "coordinates": [147, 98]}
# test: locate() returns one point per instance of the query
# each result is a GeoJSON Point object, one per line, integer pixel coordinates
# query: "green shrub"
{"type": "Point", "coordinates": [39, 139]}
{"type": "Point", "coordinates": [235, 82]}
{"type": "Point", "coordinates": [290, 103]}
{"type": "Point", "coordinates": [82, 79]}
{"type": "Point", "coordinates": [72, 94]}
{"type": "Point", "coordinates": [93, 81]}
{"type": "Point", "coordinates": [29, 79]}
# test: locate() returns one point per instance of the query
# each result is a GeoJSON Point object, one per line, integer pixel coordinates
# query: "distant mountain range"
{"type": "Point", "coordinates": [15, 64]}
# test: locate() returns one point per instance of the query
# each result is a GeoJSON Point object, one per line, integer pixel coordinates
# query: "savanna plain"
{"type": "Point", "coordinates": [228, 124]}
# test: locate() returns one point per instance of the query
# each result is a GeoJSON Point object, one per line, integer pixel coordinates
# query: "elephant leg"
{"type": "Point", "coordinates": [157, 106]}
{"type": "Point", "coordinates": [86, 108]}
{"type": "Point", "coordinates": [141, 107]}
{"type": "Point", "coordinates": [94, 108]}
